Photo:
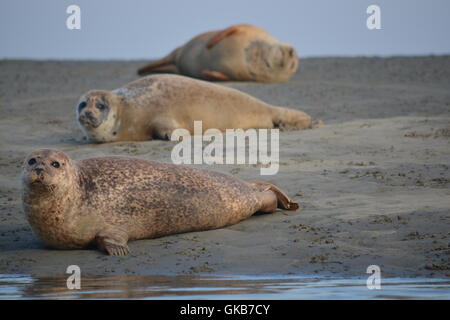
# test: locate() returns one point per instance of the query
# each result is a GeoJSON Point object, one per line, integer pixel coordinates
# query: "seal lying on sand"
{"type": "Point", "coordinates": [153, 106]}
{"type": "Point", "coordinates": [240, 52]}
{"type": "Point", "coordinates": [109, 201]}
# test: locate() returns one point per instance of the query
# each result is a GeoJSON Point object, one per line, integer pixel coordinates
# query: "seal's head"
{"type": "Point", "coordinates": [97, 114]}
{"type": "Point", "coordinates": [49, 193]}
{"type": "Point", "coordinates": [271, 61]}
{"type": "Point", "coordinates": [47, 170]}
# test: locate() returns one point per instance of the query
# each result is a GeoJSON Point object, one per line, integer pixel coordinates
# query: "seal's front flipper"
{"type": "Point", "coordinates": [283, 201]}
{"type": "Point", "coordinates": [214, 75]}
{"type": "Point", "coordinates": [219, 36]}
{"type": "Point", "coordinates": [115, 250]}
{"type": "Point", "coordinates": [113, 242]}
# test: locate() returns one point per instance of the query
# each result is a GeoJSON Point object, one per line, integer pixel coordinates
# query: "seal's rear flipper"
{"type": "Point", "coordinates": [168, 68]}
{"type": "Point", "coordinates": [283, 201]}
{"type": "Point", "coordinates": [318, 123]}
{"type": "Point", "coordinates": [166, 64]}
{"type": "Point", "coordinates": [214, 75]}
{"type": "Point", "coordinates": [158, 67]}
{"type": "Point", "coordinates": [286, 118]}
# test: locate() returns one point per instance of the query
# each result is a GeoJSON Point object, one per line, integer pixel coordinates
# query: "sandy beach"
{"type": "Point", "coordinates": [373, 182]}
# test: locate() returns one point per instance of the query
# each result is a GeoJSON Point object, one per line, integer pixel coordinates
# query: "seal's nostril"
{"type": "Point", "coordinates": [38, 170]}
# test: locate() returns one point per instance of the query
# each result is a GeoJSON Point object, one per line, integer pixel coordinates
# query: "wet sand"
{"type": "Point", "coordinates": [373, 182]}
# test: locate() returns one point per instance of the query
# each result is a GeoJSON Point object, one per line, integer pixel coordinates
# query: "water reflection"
{"type": "Point", "coordinates": [219, 287]}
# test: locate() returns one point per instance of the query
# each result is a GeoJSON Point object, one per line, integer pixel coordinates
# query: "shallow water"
{"type": "Point", "coordinates": [21, 286]}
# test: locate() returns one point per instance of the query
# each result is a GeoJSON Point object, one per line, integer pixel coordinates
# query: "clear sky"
{"type": "Point", "coordinates": [144, 29]}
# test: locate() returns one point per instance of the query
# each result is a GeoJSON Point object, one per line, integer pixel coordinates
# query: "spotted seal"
{"type": "Point", "coordinates": [153, 106]}
{"type": "Point", "coordinates": [111, 200]}
{"type": "Point", "coordinates": [240, 52]}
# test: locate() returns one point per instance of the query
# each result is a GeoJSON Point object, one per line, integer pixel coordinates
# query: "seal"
{"type": "Point", "coordinates": [240, 52]}
{"type": "Point", "coordinates": [111, 200]}
{"type": "Point", "coordinates": [153, 106]}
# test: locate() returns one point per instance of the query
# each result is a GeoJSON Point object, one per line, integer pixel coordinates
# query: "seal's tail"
{"type": "Point", "coordinates": [164, 65]}
{"type": "Point", "coordinates": [286, 117]}
{"type": "Point", "coordinates": [283, 201]}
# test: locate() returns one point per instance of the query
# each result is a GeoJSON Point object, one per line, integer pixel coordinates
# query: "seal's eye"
{"type": "Point", "coordinates": [100, 106]}
{"type": "Point", "coordinates": [81, 105]}
{"type": "Point", "coordinates": [32, 161]}
{"type": "Point", "coordinates": [55, 164]}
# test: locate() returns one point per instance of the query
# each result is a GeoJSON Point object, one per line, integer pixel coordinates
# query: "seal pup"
{"type": "Point", "coordinates": [240, 52]}
{"type": "Point", "coordinates": [111, 200]}
{"type": "Point", "coordinates": [153, 106]}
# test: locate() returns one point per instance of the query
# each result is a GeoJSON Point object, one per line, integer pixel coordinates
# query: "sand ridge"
{"type": "Point", "coordinates": [374, 181]}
